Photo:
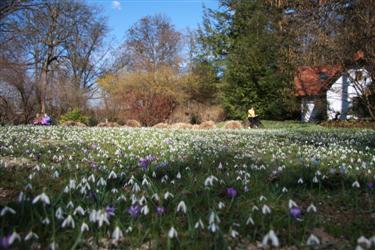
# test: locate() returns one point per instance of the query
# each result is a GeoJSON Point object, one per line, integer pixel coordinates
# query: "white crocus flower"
{"type": "Point", "coordinates": [172, 233]}
{"type": "Point", "coordinates": [266, 209]}
{"type": "Point", "coordinates": [356, 184]}
{"type": "Point", "coordinates": [84, 227]}
{"type": "Point", "coordinates": [7, 210]}
{"type": "Point", "coordinates": [31, 235]}
{"type": "Point", "coordinates": [117, 234]}
{"type": "Point", "coordinates": [79, 210]}
{"type": "Point", "coordinates": [181, 207]}
{"type": "Point", "coordinates": [68, 222]}
{"type": "Point", "coordinates": [312, 240]}
{"type": "Point", "coordinates": [270, 237]}
{"type": "Point", "coordinates": [199, 224]}
{"type": "Point", "coordinates": [43, 198]}
{"type": "Point", "coordinates": [311, 208]}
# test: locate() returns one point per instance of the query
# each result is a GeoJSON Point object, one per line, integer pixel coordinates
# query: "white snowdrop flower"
{"type": "Point", "coordinates": [266, 209]}
{"type": "Point", "coordinates": [145, 182]}
{"type": "Point", "coordinates": [13, 237]}
{"type": "Point", "coordinates": [364, 242]}
{"type": "Point", "coordinates": [68, 222]}
{"type": "Point", "coordinates": [91, 178]}
{"type": "Point", "coordinates": [262, 198]}
{"type": "Point", "coordinates": [72, 184]}
{"type": "Point", "coordinates": [178, 176]}
{"type": "Point", "coordinates": [112, 175]}
{"type": "Point", "coordinates": [213, 227]}
{"type": "Point", "coordinates": [250, 221]}
{"type": "Point", "coordinates": [43, 198]}
{"type": "Point", "coordinates": [102, 217]}
{"type": "Point", "coordinates": [199, 224]}
{"type": "Point", "coordinates": [31, 235]}
{"type": "Point", "coordinates": [79, 210]}
{"type": "Point", "coordinates": [210, 181]}
{"type": "Point", "coordinates": [66, 190]}
{"type": "Point", "coordinates": [117, 234]}
{"type": "Point", "coordinates": [284, 190]}
{"type": "Point", "coordinates": [136, 188]}
{"type": "Point", "coordinates": [101, 182]}
{"type": "Point", "coordinates": [311, 208]}
{"type": "Point", "coordinates": [315, 180]}
{"type": "Point", "coordinates": [356, 184]}
{"type": "Point", "coordinates": [172, 233]}
{"type": "Point", "coordinates": [221, 205]}
{"type": "Point", "coordinates": [29, 186]}
{"type": "Point", "coordinates": [155, 197]}
{"type": "Point", "coordinates": [52, 246]}
{"type": "Point", "coordinates": [129, 229]}
{"type": "Point", "coordinates": [153, 174]}
{"type": "Point", "coordinates": [372, 240]}
{"type": "Point", "coordinates": [234, 233]}
{"type": "Point", "coordinates": [300, 181]}
{"type": "Point", "coordinates": [145, 210]}
{"type": "Point", "coordinates": [213, 218]}
{"type": "Point", "coordinates": [172, 182]}
{"type": "Point", "coordinates": [56, 174]}
{"type": "Point", "coordinates": [312, 240]}
{"type": "Point", "coordinates": [181, 207]}
{"type": "Point", "coordinates": [7, 210]}
{"type": "Point", "coordinates": [84, 227]}
{"type": "Point", "coordinates": [167, 195]}
{"type": "Point", "coordinates": [21, 197]}
{"type": "Point", "coordinates": [46, 221]}
{"type": "Point", "coordinates": [292, 204]}
{"type": "Point", "coordinates": [114, 190]}
{"type": "Point", "coordinates": [121, 198]}
{"type": "Point", "coordinates": [59, 213]}
{"type": "Point", "coordinates": [254, 208]}
{"type": "Point", "coordinates": [272, 238]}
{"type": "Point", "coordinates": [70, 204]}
{"type": "Point", "coordinates": [220, 166]}
{"type": "Point", "coordinates": [143, 200]}
{"type": "Point", "coordinates": [92, 216]}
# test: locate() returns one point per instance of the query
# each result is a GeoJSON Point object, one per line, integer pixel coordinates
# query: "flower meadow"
{"type": "Point", "coordinates": [127, 188]}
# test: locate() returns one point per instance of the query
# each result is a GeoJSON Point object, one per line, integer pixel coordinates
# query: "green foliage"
{"type": "Point", "coordinates": [242, 41]}
{"type": "Point", "coordinates": [75, 115]}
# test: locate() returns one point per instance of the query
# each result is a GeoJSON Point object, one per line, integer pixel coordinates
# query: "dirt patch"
{"type": "Point", "coordinates": [16, 162]}
{"type": "Point", "coordinates": [7, 195]}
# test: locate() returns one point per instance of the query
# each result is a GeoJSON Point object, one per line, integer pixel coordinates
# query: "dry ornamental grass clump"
{"type": "Point", "coordinates": [133, 124]}
{"type": "Point", "coordinates": [233, 125]}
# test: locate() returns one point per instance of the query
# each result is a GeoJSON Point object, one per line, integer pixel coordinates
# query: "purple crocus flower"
{"type": "Point", "coordinates": [295, 212]}
{"type": "Point", "coordinates": [144, 162]}
{"type": "Point", "coordinates": [134, 210]}
{"type": "Point", "coordinates": [160, 210]}
{"type": "Point", "coordinates": [370, 185]}
{"type": "Point", "coordinates": [4, 242]}
{"type": "Point", "coordinates": [231, 192]}
{"type": "Point", "coordinates": [110, 210]}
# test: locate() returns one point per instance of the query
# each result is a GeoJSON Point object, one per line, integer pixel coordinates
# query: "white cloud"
{"type": "Point", "coordinates": [116, 5]}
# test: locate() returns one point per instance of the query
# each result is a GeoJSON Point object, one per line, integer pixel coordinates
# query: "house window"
{"type": "Point", "coordinates": [323, 75]}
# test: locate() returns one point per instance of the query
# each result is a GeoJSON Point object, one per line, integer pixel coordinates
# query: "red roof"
{"type": "Point", "coordinates": [310, 81]}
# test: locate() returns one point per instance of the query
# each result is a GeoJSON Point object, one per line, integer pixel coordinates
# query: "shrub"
{"type": "Point", "coordinates": [75, 115]}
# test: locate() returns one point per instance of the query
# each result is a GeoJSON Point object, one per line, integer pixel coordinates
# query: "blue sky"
{"type": "Point", "coordinates": [122, 14]}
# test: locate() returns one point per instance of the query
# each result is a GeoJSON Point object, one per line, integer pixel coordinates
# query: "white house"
{"type": "Point", "coordinates": [344, 93]}
{"type": "Point", "coordinates": [327, 91]}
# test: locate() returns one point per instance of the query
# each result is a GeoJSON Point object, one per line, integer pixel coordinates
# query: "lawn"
{"type": "Point", "coordinates": [289, 185]}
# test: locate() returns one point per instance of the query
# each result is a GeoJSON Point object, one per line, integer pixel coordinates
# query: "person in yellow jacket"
{"type": "Point", "coordinates": [253, 118]}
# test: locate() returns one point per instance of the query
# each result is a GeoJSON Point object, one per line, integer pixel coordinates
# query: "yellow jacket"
{"type": "Point", "coordinates": [251, 113]}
